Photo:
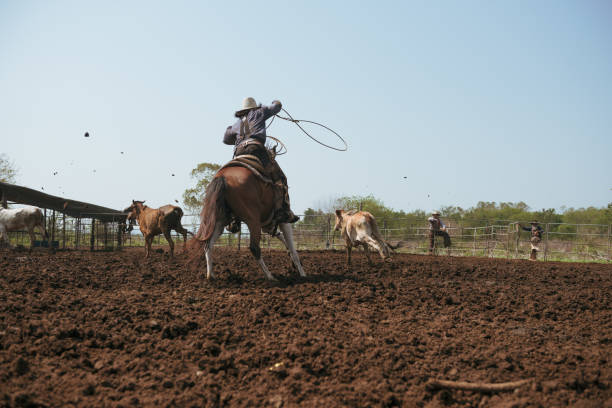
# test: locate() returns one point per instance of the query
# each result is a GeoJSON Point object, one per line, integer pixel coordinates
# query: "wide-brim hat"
{"type": "Point", "coordinates": [435, 213]}
{"type": "Point", "coordinates": [247, 104]}
{"type": "Point", "coordinates": [534, 222]}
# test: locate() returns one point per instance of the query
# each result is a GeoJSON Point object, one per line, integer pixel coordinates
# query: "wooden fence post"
{"type": "Point", "coordinates": [105, 226]}
{"type": "Point", "coordinates": [52, 230]}
{"type": "Point", "coordinates": [328, 232]}
{"type": "Point", "coordinates": [546, 242]}
{"type": "Point", "coordinates": [333, 237]}
{"type": "Point", "coordinates": [77, 238]}
{"type": "Point", "coordinates": [609, 241]}
{"type": "Point", "coordinates": [119, 236]}
{"type": "Point", "coordinates": [63, 230]}
{"type": "Point", "coordinates": [92, 239]}
{"type": "Point", "coordinates": [239, 237]}
{"type": "Point", "coordinates": [517, 228]}
{"type": "Point", "coordinates": [474, 244]}
{"type": "Point", "coordinates": [508, 241]}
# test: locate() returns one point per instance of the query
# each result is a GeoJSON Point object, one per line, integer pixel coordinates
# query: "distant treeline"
{"type": "Point", "coordinates": [483, 213]}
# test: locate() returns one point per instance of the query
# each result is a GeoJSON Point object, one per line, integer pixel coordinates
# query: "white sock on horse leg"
{"type": "Point", "coordinates": [288, 239]}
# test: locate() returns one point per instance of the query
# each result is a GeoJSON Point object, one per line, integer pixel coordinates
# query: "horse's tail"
{"type": "Point", "coordinates": [398, 244]}
{"type": "Point", "coordinates": [214, 208]}
{"type": "Point", "coordinates": [178, 211]}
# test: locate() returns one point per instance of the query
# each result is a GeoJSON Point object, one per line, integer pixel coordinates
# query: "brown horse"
{"type": "Point", "coordinates": [153, 222]}
{"type": "Point", "coordinates": [237, 192]}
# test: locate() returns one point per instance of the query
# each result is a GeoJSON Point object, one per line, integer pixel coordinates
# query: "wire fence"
{"type": "Point", "coordinates": [498, 239]}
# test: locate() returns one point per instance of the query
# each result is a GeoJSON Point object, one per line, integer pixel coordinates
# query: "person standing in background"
{"type": "Point", "coordinates": [437, 228]}
{"type": "Point", "coordinates": [536, 238]}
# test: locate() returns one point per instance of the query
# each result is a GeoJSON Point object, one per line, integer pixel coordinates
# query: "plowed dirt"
{"type": "Point", "coordinates": [111, 329]}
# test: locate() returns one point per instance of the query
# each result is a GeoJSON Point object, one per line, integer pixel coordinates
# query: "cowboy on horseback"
{"type": "Point", "coordinates": [248, 135]}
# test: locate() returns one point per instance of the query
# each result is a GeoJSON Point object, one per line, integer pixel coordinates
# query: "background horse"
{"type": "Point", "coordinates": [236, 191]}
{"type": "Point", "coordinates": [155, 221]}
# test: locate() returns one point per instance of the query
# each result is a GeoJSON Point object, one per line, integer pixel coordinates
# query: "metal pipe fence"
{"type": "Point", "coordinates": [496, 239]}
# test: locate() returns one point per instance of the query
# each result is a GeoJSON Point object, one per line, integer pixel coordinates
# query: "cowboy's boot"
{"type": "Point", "coordinates": [285, 215]}
{"type": "Point", "coordinates": [289, 216]}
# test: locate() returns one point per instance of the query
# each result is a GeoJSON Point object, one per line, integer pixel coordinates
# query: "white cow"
{"type": "Point", "coordinates": [359, 228]}
{"type": "Point", "coordinates": [21, 218]}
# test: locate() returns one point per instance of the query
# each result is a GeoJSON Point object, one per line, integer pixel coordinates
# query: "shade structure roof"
{"type": "Point", "coordinates": [73, 208]}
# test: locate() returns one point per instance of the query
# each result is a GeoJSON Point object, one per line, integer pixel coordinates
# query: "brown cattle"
{"type": "Point", "coordinates": [359, 228]}
{"type": "Point", "coordinates": [155, 221]}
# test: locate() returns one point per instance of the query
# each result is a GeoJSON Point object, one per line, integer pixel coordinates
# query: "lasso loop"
{"type": "Point", "coordinates": [296, 121]}
{"type": "Point", "coordinates": [277, 143]}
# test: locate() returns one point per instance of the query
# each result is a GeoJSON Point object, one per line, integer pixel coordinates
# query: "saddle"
{"type": "Point", "coordinates": [252, 163]}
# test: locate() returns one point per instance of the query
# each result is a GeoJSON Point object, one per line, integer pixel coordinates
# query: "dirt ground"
{"type": "Point", "coordinates": [111, 329]}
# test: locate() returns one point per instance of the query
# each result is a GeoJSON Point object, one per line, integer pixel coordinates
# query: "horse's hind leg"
{"type": "Point", "coordinates": [255, 232]}
{"type": "Point", "coordinates": [379, 246]}
{"type": "Point", "coordinates": [208, 248]}
{"type": "Point", "coordinates": [288, 241]}
{"type": "Point", "coordinates": [366, 250]}
{"type": "Point", "coordinates": [168, 236]}
{"type": "Point", "coordinates": [4, 239]}
{"type": "Point", "coordinates": [181, 230]}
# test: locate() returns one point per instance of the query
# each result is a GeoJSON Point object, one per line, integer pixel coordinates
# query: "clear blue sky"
{"type": "Point", "coordinates": [470, 101]}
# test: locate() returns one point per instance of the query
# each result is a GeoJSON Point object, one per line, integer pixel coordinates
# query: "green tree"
{"type": "Point", "coordinates": [8, 172]}
{"type": "Point", "coordinates": [203, 174]}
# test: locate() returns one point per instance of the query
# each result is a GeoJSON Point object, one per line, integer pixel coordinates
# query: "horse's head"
{"type": "Point", "coordinates": [133, 211]}
{"type": "Point", "coordinates": [339, 219]}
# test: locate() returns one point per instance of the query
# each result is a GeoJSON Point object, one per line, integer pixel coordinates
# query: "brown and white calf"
{"type": "Point", "coordinates": [22, 218]}
{"type": "Point", "coordinates": [359, 228]}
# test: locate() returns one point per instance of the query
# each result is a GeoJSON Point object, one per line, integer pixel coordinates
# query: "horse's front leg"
{"type": "Point", "coordinates": [288, 241]}
{"type": "Point", "coordinates": [349, 248]}
{"type": "Point", "coordinates": [148, 243]}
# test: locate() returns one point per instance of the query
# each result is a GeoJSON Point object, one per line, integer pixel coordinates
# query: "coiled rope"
{"type": "Point", "coordinates": [290, 118]}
